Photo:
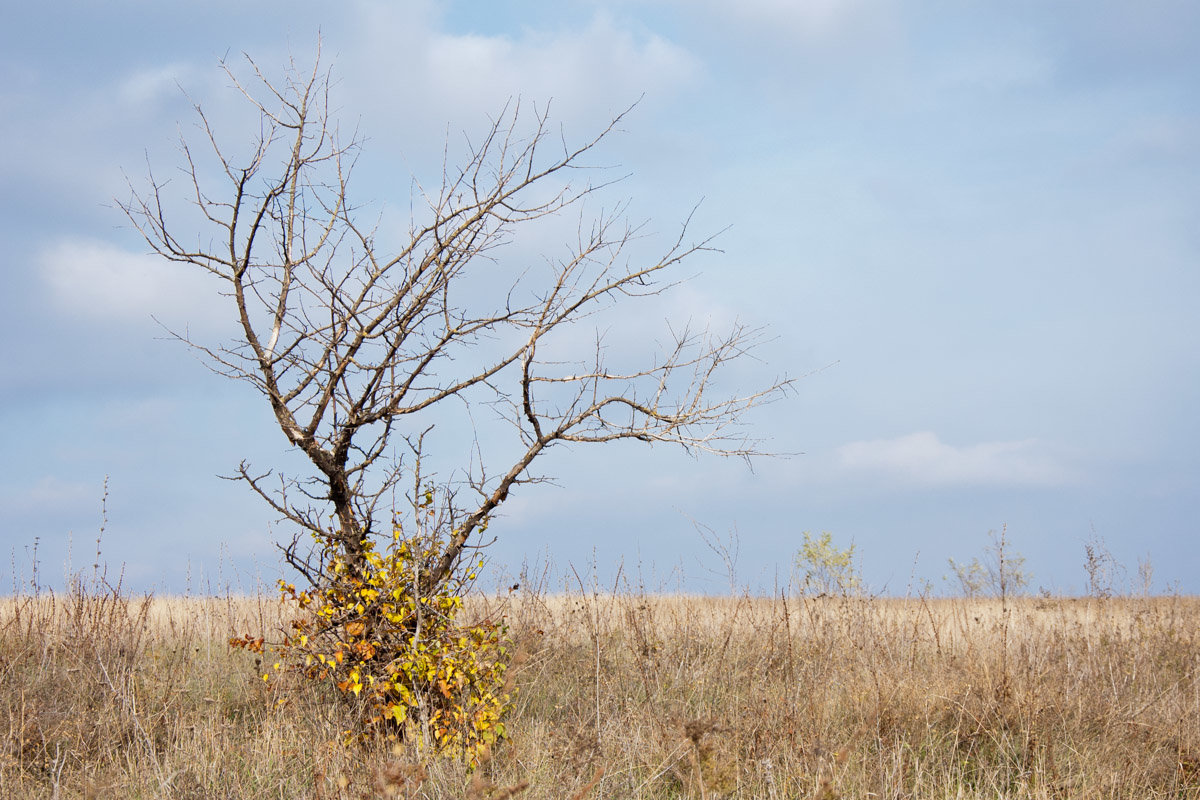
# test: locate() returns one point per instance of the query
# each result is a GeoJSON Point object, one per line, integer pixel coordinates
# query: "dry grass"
{"type": "Point", "coordinates": [634, 696]}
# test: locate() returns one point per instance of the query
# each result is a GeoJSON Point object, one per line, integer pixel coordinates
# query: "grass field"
{"type": "Point", "coordinates": [633, 696]}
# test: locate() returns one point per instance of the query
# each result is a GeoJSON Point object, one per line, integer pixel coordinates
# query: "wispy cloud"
{"type": "Point", "coordinates": [590, 72]}
{"type": "Point", "coordinates": [812, 17]}
{"type": "Point", "coordinates": [600, 61]}
{"type": "Point", "coordinates": [156, 83]}
{"type": "Point", "coordinates": [923, 459]}
{"type": "Point", "coordinates": [96, 280]}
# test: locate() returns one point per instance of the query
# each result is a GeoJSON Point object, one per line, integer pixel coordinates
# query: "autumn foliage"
{"type": "Point", "coordinates": [398, 655]}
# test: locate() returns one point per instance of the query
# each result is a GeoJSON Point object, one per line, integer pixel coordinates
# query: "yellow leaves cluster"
{"type": "Point", "coordinates": [375, 640]}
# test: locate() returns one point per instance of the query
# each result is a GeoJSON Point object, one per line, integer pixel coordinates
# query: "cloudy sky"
{"type": "Point", "coordinates": [972, 229]}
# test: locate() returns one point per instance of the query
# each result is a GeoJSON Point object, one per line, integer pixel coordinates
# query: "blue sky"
{"type": "Point", "coordinates": [971, 229]}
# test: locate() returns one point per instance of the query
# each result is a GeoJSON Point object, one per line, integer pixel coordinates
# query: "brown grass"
{"type": "Point", "coordinates": [633, 696]}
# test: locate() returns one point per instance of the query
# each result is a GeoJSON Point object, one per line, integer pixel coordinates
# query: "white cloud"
{"type": "Point", "coordinates": [813, 17]}
{"type": "Point", "coordinates": [96, 280]}
{"type": "Point", "coordinates": [601, 64]}
{"type": "Point", "coordinates": [922, 459]}
{"type": "Point", "coordinates": [407, 73]}
{"type": "Point", "coordinates": [859, 24]}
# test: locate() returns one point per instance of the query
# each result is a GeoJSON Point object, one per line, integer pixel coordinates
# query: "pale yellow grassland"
{"type": "Point", "coordinates": [661, 696]}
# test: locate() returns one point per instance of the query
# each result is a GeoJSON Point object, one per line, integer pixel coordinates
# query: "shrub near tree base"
{"type": "Point", "coordinates": [399, 656]}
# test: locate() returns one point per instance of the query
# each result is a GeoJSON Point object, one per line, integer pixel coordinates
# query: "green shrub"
{"type": "Point", "coordinates": [1001, 573]}
{"type": "Point", "coordinates": [824, 568]}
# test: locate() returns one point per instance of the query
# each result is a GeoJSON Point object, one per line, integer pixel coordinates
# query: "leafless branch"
{"type": "Point", "coordinates": [347, 342]}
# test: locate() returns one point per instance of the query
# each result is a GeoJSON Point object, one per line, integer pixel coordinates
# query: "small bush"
{"type": "Point", "coordinates": [1001, 573]}
{"type": "Point", "coordinates": [398, 655]}
{"type": "Point", "coordinates": [825, 568]}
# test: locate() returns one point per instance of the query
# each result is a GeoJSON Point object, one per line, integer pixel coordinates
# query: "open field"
{"type": "Point", "coordinates": [634, 696]}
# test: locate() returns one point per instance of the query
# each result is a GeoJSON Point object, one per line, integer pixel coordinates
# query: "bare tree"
{"type": "Point", "coordinates": [354, 347]}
